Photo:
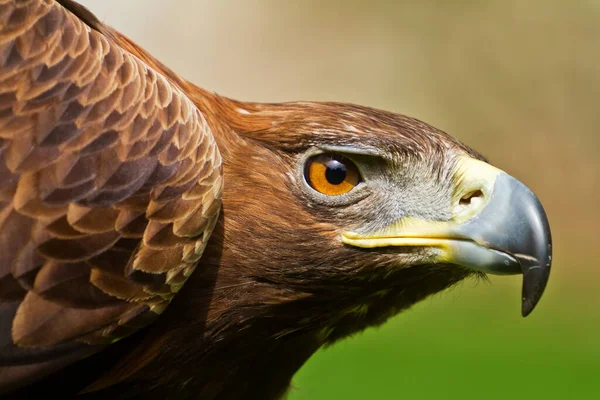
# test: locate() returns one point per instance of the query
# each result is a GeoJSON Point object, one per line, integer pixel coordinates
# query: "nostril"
{"type": "Point", "coordinates": [471, 198]}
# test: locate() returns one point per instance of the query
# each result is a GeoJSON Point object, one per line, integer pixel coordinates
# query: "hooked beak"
{"type": "Point", "coordinates": [499, 227]}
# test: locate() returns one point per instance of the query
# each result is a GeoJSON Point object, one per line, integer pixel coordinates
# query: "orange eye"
{"type": "Point", "coordinates": [331, 174]}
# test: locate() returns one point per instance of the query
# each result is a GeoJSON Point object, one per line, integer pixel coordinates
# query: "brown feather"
{"type": "Point", "coordinates": [89, 132]}
{"type": "Point", "coordinates": [40, 322]}
{"type": "Point", "coordinates": [68, 284]}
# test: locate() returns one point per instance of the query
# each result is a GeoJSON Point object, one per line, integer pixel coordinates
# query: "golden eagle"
{"type": "Point", "coordinates": [160, 241]}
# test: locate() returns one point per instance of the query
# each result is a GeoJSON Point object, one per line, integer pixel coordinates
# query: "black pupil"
{"type": "Point", "coordinates": [335, 172]}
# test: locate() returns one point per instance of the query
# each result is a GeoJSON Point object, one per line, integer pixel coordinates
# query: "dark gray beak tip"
{"type": "Point", "coordinates": [536, 267]}
{"type": "Point", "coordinates": [534, 284]}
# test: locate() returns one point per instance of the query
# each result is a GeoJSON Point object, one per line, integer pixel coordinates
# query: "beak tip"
{"type": "Point", "coordinates": [527, 308]}
{"type": "Point", "coordinates": [534, 284]}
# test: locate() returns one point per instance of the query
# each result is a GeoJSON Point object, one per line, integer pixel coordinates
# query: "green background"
{"type": "Point", "coordinates": [470, 343]}
{"type": "Point", "coordinates": [517, 80]}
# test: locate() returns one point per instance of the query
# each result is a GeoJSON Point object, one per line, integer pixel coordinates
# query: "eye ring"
{"type": "Point", "coordinates": [331, 174]}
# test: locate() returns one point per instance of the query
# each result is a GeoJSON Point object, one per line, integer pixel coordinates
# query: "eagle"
{"type": "Point", "coordinates": [160, 241]}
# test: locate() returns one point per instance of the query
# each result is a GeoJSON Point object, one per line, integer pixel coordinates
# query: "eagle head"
{"type": "Point", "coordinates": [336, 217]}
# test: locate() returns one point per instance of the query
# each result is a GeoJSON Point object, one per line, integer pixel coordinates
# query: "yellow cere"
{"type": "Point", "coordinates": [471, 176]}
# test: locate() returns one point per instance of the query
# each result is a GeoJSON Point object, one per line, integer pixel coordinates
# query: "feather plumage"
{"type": "Point", "coordinates": [86, 126]}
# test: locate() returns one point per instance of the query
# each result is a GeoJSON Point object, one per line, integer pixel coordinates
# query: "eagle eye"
{"type": "Point", "coordinates": [331, 174]}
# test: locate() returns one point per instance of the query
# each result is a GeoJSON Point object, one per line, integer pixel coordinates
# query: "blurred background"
{"type": "Point", "coordinates": [517, 80]}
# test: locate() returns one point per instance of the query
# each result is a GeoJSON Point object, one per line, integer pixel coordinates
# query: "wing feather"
{"type": "Point", "coordinates": [110, 185]}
